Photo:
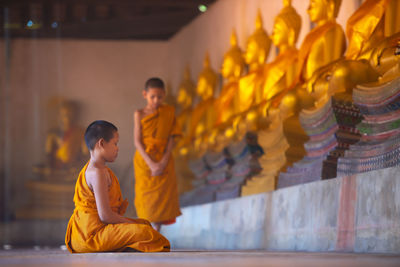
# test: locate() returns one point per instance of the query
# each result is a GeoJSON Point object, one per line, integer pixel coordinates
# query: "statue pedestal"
{"type": "Point", "coordinates": [50, 197]}
{"type": "Point", "coordinates": [331, 129]}
{"type": "Point", "coordinates": [275, 145]}
{"type": "Point", "coordinates": [379, 146]}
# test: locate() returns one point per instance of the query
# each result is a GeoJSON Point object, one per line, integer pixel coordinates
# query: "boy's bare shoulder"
{"type": "Point", "coordinates": [93, 174]}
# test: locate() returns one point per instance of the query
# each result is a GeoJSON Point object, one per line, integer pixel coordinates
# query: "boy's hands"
{"type": "Point", "coordinates": [157, 168]}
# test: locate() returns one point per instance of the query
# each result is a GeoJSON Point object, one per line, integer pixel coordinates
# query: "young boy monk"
{"type": "Point", "coordinates": [97, 223]}
{"type": "Point", "coordinates": [156, 192]}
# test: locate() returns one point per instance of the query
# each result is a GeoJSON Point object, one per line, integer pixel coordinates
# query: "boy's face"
{"type": "Point", "coordinates": [154, 97]}
{"type": "Point", "coordinates": [110, 148]}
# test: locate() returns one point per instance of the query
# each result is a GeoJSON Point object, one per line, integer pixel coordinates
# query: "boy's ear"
{"type": "Point", "coordinates": [101, 142]}
{"type": "Point", "coordinates": [144, 92]}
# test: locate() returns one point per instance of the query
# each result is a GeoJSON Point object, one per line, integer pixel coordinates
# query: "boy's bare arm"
{"type": "Point", "coordinates": [98, 182]}
{"type": "Point", "coordinates": [137, 139]}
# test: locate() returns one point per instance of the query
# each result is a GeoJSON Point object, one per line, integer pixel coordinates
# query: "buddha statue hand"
{"type": "Point", "coordinates": [381, 51]}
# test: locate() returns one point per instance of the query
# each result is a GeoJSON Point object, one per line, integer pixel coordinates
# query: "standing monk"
{"type": "Point", "coordinates": [156, 191]}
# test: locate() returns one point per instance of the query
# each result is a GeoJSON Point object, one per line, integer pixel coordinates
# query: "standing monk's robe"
{"type": "Point", "coordinates": [86, 233]}
{"type": "Point", "coordinates": [156, 197]}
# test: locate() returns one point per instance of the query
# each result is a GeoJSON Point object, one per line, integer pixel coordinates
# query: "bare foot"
{"type": "Point", "coordinates": [156, 226]}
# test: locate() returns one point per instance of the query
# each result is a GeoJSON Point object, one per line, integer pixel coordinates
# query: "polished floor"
{"type": "Point", "coordinates": [60, 258]}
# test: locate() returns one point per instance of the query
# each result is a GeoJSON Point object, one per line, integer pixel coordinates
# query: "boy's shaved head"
{"type": "Point", "coordinates": [97, 130]}
{"type": "Point", "coordinates": [154, 82]}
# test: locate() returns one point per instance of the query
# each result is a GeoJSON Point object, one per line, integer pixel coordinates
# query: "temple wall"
{"type": "Point", "coordinates": [359, 213]}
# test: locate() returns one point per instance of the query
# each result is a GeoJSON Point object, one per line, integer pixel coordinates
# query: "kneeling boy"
{"type": "Point", "coordinates": [97, 223]}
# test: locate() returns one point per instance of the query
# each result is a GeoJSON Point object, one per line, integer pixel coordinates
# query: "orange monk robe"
{"type": "Point", "coordinates": [86, 233]}
{"type": "Point", "coordinates": [156, 197]}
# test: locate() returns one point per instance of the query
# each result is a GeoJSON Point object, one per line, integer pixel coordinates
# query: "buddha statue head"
{"type": "Point", "coordinates": [258, 46]}
{"type": "Point", "coordinates": [67, 114]}
{"type": "Point", "coordinates": [186, 91]}
{"type": "Point", "coordinates": [287, 27]}
{"type": "Point", "coordinates": [321, 11]}
{"type": "Point", "coordinates": [207, 80]}
{"type": "Point", "coordinates": [233, 63]}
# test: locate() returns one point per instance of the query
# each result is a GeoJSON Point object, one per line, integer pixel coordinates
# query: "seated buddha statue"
{"type": "Point", "coordinates": [372, 33]}
{"type": "Point", "coordinates": [323, 45]}
{"type": "Point", "coordinates": [49, 195]}
{"type": "Point", "coordinates": [65, 147]}
{"type": "Point", "coordinates": [279, 75]}
{"type": "Point", "coordinates": [251, 85]}
{"type": "Point", "coordinates": [227, 102]}
{"type": "Point", "coordinates": [281, 72]}
{"type": "Point", "coordinates": [185, 97]}
{"type": "Point", "coordinates": [203, 114]}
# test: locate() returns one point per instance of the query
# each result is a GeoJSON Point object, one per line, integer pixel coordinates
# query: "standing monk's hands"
{"type": "Point", "coordinates": [157, 168]}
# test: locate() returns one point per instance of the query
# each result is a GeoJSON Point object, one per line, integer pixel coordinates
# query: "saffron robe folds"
{"type": "Point", "coordinates": [86, 233]}
{"type": "Point", "coordinates": [156, 197]}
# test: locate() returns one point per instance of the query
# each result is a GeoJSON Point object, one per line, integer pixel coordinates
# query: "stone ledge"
{"type": "Point", "coordinates": [359, 213]}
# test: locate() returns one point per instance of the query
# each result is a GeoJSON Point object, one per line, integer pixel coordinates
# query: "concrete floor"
{"type": "Point", "coordinates": [60, 258]}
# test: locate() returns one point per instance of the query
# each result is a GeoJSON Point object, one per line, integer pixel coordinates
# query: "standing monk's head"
{"type": "Point", "coordinates": [154, 92]}
{"type": "Point", "coordinates": [102, 138]}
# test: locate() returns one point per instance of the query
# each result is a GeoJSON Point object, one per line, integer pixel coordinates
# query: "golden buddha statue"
{"type": "Point", "coordinates": [279, 75]}
{"type": "Point", "coordinates": [185, 97]}
{"type": "Point", "coordinates": [365, 28]}
{"type": "Point", "coordinates": [373, 34]}
{"type": "Point", "coordinates": [256, 54]}
{"type": "Point", "coordinates": [203, 114]}
{"type": "Point", "coordinates": [250, 94]}
{"type": "Point", "coordinates": [322, 45]}
{"type": "Point", "coordinates": [65, 146]}
{"type": "Point", "coordinates": [49, 195]}
{"type": "Point", "coordinates": [170, 98]}
{"type": "Point", "coordinates": [228, 101]}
